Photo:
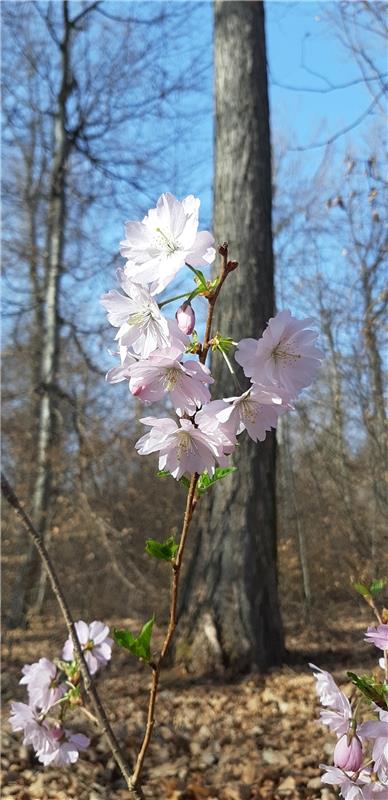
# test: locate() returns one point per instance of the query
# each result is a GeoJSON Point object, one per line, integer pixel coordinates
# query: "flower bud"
{"type": "Point", "coordinates": [137, 390]}
{"type": "Point", "coordinates": [185, 318]}
{"type": "Point", "coordinates": [348, 756]}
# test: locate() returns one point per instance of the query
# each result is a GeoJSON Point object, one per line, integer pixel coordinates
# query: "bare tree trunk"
{"type": "Point", "coordinates": [376, 423]}
{"type": "Point", "coordinates": [338, 421]}
{"type": "Point", "coordinates": [230, 613]}
{"type": "Point", "coordinates": [32, 579]}
{"type": "Point", "coordinates": [291, 501]}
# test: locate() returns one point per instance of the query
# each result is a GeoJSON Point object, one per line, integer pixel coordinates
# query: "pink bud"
{"type": "Point", "coordinates": [137, 390]}
{"type": "Point", "coordinates": [348, 756]}
{"type": "Point", "coordinates": [185, 318]}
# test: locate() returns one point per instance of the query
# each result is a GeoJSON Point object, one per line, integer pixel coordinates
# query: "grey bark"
{"type": "Point", "coordinates": [376, 424]}
{"type": "Point", "coordinates": [230, 612]}
{"type": "Point", "coordinates": [343, 477]}
{"type": "Point", "coordinates": [291, 505]}
{"type": "Point", "coordinates": [30, 585]}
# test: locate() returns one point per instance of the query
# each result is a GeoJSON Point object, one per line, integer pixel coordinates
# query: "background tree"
{"type": "Point", "coordinates": [230, 612]}
{"type": "Point", "coordinates": [80, 140]}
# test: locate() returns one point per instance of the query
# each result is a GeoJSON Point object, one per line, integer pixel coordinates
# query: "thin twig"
{"type": "Point", "coordinates": [226, 267]}
{"type": "Point", "coordinates": [90, 689]}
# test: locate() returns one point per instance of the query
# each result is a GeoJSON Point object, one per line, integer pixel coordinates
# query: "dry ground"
{"type": "Point", "coordinates": [254, 738]}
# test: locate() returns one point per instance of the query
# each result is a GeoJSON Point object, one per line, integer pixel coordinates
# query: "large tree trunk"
{"type": "Point", "coordinates": [30, 585]}
{"type": "Point", "coordinates": [229, 614]}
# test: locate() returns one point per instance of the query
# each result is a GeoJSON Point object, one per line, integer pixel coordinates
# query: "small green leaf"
{"type": "Point", "coordinates": [166, 550]}
{"type": "Point", "coordinates": [205, 481]}
{"type": "Point", "coordinates": [362, 589]}
{"type": "Point", "coordinates": [372, 689]}
{"type": "Point", "coordinates": [163, 473]}
{"type": "Point", "coordinates": [377, 585]}
{"type": "Point", "coordinates": [200, 279]}
{"type": "Point", "coordinates": [139, 646]}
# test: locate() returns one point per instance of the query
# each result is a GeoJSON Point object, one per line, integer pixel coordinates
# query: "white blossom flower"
{"type": "Point", "coordinates": [64, 748]}
{"type": "Point", "coordinates": [183, 450]}
{"type": "Point", "coordinates": [187, 383]}
{"type": "Point", "coordinates": [141, 324]}
{"type": "Point", "coordinates": [164, 241]}
{"type": "Point", "coordinates": [285, 356]}
{"type": "Point", "coordinates": [95, 643]}
{"type": "Point", "coordinates": [41, 679]}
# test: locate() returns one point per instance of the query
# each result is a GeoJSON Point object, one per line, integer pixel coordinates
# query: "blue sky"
{"type": "Point", "coordinates": [304, 53]}
{"type": "Point", "coordinates": [300, 42]}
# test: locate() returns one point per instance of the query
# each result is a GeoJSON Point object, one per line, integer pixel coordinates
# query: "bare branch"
{"type": "Point", "coordinates": [90, 689]}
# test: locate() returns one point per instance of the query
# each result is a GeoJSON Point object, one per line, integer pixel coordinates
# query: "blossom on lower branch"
{"type": "Point", "coordinates": [43, 683]}
{"type": "Point", "coordinates": [52, 743]}
{"type": "Point", "coordinates": [183, 449]}
{"type": "Point", "coordinates": [378, 636]}
{"type": "Point", "coordinates": [361, 752]}
{"type": "Point", "coordinates": [56, 686]}
{"type": "Point", "coordinates": [95, 643]}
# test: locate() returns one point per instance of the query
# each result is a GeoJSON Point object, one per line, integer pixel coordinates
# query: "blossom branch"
{"type": "Point", "coordinates": [226, 267]}
{"type": "Point", "coordinates": [156, 667]}
{"type": "Point", "coordinates": [90, 689]}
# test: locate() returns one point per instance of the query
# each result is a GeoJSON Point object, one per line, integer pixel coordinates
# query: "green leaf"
{"type": "Point", "coordinates": [205, 481]}
{"type": "Point", "coordinates": [377, 585]}
{"type": "Point", "coordinates": [195, 293]}
{"type": "Point", "coordinates": [200, 279]}
{"type": "Point", "coordinates": [163, 473]}
{"type": "Point", "coordinates": [139, 646]}
{"type": "Point", "coordinates": [362, 589]}
{"type": "Point", "coordinates": [372, 689]}
{"type": "Point", "coordinates": [166, 550]}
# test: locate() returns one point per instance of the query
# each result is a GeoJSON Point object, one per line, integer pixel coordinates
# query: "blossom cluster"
{"type": "Point", "coordinates": [361, 753]}
{"type": "Point", "coordinates": [156, 352]}
{"type": "Point", "coordinates": [54, 685]}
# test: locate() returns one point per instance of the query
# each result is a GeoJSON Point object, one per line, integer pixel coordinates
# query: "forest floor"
{"type": "Point", "coordinates": [256, 738]}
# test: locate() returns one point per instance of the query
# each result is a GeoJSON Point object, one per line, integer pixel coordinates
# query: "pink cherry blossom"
{"type": "Point", "coordinates": [285, 356]}
{"type": "Point", "coordinates": [26, 718]}
{"type": "Point", "coordinates": [41, 679]}
{"type": "Point", "coordinates": [335, 776]}
{"type": "Point", "coordinates": [185, 318]}
{"type": "Point", "coordinates": [255, 411]}
{"type": "Point", "coordinates": [378, 731]}
{"type": "Point", "coordinates": [178, 339]}
{"type": "Point", "coordinates": [378, 636]}
{"type": "Point", "coordinates": [183, 450]}
{"type": "Point", "coordinates": [121, 373]}
{"type": "Point", "coordinates": [348, 756]}
{"type": "Point", "coordinates": [64, 747]}
{"type": "Point", "coordinates": [186, 383]}
{"type": "Point", "coordinates": [137, 315]}
{"type": "Point", "coordinates": [164, 241]}
{"type": "Point", "coordinates": [369, 787]}
{"type": "Point", "coordinates": [339, 712]}
{"type": "Point", "coordinates": [95, 643]}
